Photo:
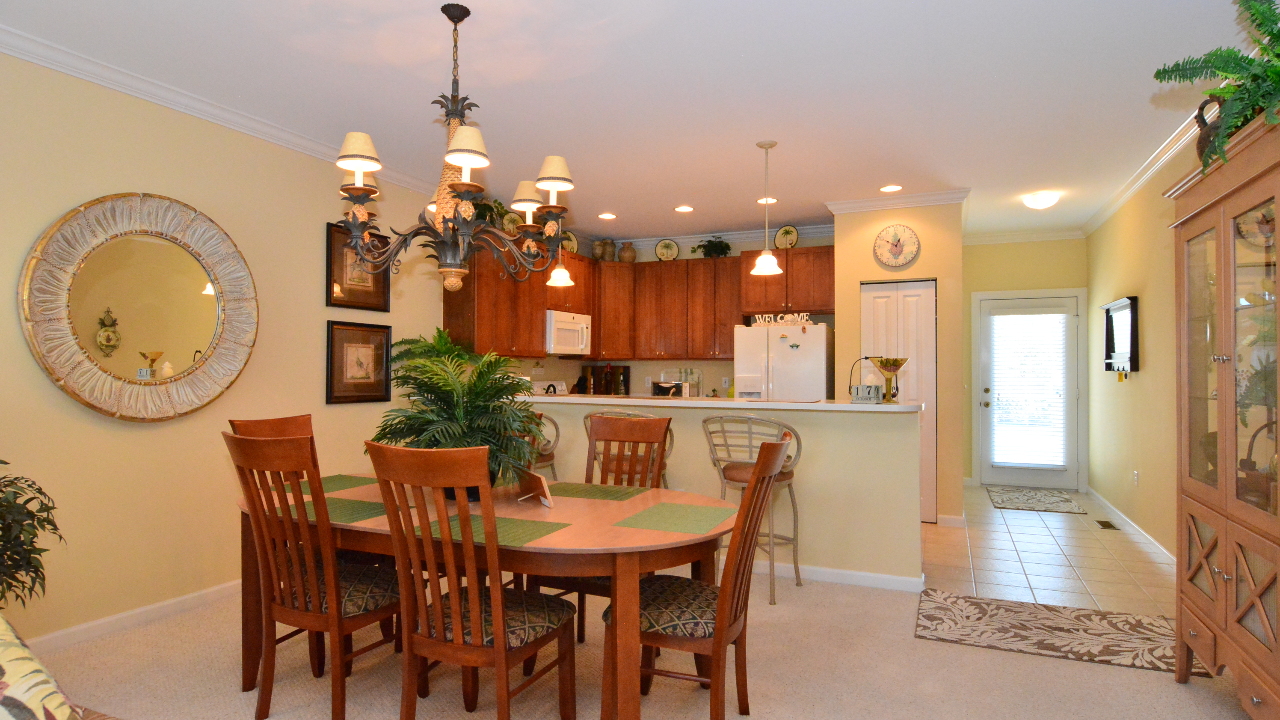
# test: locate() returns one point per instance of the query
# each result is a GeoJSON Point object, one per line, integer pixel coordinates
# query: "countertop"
{"type": "Point", "coordinates": [719, 403]}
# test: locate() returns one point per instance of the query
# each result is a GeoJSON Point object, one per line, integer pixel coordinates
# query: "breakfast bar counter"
{"type": "Point", "coordinates": [857, 483]}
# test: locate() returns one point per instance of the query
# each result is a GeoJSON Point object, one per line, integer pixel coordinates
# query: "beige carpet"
{"type": "Point", "coordinates": [824, 651]}
{"type": "Point", "coordinates": [1033, 499]}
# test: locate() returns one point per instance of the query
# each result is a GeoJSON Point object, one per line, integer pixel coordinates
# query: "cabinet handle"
{"type": "Point", "coordinates": [1193, 633]}
{"type": "Point", "coordinates": [1256, 700]}
{"type": "Point", "coordinates": [1216, 570]}
{"type": "Point", "coordinates": [1227, 577]}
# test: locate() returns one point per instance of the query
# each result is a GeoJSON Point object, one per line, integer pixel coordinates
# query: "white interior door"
{"type": "Point", "coordinates": [1027, 394]}
{"type": "Point", "coordinates": [900, 320]}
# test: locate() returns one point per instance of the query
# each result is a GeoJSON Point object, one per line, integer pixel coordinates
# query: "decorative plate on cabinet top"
{"type": "Point", "coordinates": [896, 245]}
{"type": "Point", "coordinates": [786, 237]}
{"type": "Point", "coordinates": [570, 241]}
{"type": "Point", "coordinates": [667, 250]}
{"type": "Point", "coordinates": [510, 221]}
{"type": "Point", "coordinates": [1258, 226]}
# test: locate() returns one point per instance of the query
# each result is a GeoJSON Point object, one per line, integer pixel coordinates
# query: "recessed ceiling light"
{"type": "Point", "coordinates": [1042, 199]}
{"type": "Point", "coordinates": [607, 216]}
{"type": "Point", "coordinates": [891, 188]}
{"type": "Point", "coordinates": [684, 208]}
{"type": "Point", "coordinates": [767, 201]}
{"type": "Point", "coordinates": [431, 207]}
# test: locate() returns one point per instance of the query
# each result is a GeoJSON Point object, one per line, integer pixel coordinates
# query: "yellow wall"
{"type": "Point", "coordinates": [1133, 425]}
{"type": "Point", "coordinates": [149, 510]}
{"type": "Point", "coordinates": [1040, 265]}
{"type": "Point", "coordinates": [941, 258]}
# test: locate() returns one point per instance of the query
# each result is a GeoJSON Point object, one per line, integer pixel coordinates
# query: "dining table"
{"type": "Point", "coordinates": [589, 531]}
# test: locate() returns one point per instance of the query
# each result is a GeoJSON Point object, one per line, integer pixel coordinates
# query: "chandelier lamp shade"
{"type": "Point", "coordinates": [766, 263]}
{"type": "Point", "coordinates": [450, 228]}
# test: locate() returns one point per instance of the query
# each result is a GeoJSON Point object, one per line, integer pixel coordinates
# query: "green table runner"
{"type": "Point", "coordinates": [591, 491]}
{"type": "Point", "coordinates": [512, 532]}
{"type": "Point", "coordinates": [334, 483]}
{"type": "Point", "coordinates": [674, 517]}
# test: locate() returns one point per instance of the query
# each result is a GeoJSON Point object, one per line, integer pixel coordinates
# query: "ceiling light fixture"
{"type": "Point", "coordinates": [891, 188]}
{"type": "Point", "coordinates": [1042, 199]}
{"type": "Point", "coordinates": [451, 229]}
{"type": "Point", "coordinates": [684, 208]}
{"type": "Point", "coordinates": [766, 263]}
{"type": "Point", "coordinates": [767, 201]}
{"type": "Point", "coordinates": [607, 216]}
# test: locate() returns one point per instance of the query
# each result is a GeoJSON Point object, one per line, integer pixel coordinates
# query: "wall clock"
{"type": "Point", "coordinates": [896, 245]}
{"type": "Point", "coordinates": [667, 250]}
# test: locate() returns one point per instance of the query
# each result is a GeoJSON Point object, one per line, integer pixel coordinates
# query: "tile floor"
{"type": "Point", "coordinates": [1052, 558]}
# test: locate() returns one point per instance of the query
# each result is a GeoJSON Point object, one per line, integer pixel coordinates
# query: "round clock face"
{"type": "Point", "coordinates": [667, 250]}
{"type": "Point", "coordinates": [896, 245]}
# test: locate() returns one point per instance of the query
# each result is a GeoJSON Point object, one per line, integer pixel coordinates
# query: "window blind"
{"type": "Point", "coordinates": [1028, 411]}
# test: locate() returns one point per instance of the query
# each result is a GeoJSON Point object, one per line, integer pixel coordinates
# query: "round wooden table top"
{"type": "Point", "coordinates": [585, 519]}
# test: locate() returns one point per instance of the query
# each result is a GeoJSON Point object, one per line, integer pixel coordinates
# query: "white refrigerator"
{"type": "Point", "coordinates": [782, 362]}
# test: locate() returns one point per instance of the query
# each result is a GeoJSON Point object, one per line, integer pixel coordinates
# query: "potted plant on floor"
{"type": "Point", "coordinates": [455, 402]}
{"type": "Point", "coordinates": [26, 511]}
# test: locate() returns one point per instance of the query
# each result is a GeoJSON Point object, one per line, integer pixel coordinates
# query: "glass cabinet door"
{"type": "Point", "coordinates": [1202, 357]}
{"type": "Point", "coordinates": [1254, 319]}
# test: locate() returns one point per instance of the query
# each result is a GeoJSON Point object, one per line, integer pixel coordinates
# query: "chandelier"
{"type": "Point", "coordinates": [450, 227]}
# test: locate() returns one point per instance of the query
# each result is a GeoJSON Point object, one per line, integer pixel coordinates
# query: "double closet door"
{"type": "Point", "coordinates": [900, 319]}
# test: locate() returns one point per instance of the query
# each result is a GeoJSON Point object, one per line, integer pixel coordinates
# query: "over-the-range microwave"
{"type": "Point", "coordinates": [568, 333]}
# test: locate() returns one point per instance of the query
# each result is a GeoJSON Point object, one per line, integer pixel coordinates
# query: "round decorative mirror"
{"type": "Point", "coordinates": [139, 306]}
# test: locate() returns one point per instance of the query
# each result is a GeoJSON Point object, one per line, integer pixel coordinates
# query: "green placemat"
{"type": "Point", "coordinates": [334, 483]}
{"type": "Point", "coordinates": [673, 517]}
{"type": "Point", "coordinates": [591, 491]}
{"type": "Point", "coordinates": [347, 512]}
{"type": "Point", "coordinates": [512, 532]}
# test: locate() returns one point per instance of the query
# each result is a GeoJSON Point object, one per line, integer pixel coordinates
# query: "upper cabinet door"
{"type": "Point", "coordinates": [528, 317]}
{"type": "Point", "coordinates": [1205, 376]}
{"type": "Point", "coordinates": [728, 308]}
{"type": "Point", "coordinates": [495, 310]}
{"type": "Point", "coordinates": [702, 308]}
{"type": "Point", "coordinates": [811, 280]}
{"type": "Point", "coordinates": [673, 308]}
{"type": "Point", "coordinates": [1251, 336]}
{"type": "Point", "coordinates": [648, 314]}
{"type": "Point", "coordinates": [613, 324]}
{"type": "Point", "coordinates": [762, 294]}
{"type": "Point", "coordinates": [579, 297]}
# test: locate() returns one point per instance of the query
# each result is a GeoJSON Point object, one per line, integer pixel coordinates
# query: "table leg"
{"type": "Point", "coordinates": [626, 627]}
{"type": "Point", "coordinates": [705, 570]}
{"type": "Point", "coordinates": [250, 608]}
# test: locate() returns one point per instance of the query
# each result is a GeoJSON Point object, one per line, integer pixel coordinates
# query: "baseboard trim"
{"type": "Point", "coordinates": [972, 482]}
{"type": "Point", "coordinates": [68, 637]}
{"type": "Point", "coordinates": [952, 521]}
{"type": "Point", "coordinates": [784, 573]}
{"type": "Point", "coordinates": [1098, 496]}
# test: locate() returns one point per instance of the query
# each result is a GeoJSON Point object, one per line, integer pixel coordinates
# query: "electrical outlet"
{"type": "Point", "coordinates": [648, 382]}
{"type": "Point", "coordinates": [538, 371]}
{"type": "Point", "coordinates": [724, 382]}
{"type": "Point", "coordinates": [1135, 478]}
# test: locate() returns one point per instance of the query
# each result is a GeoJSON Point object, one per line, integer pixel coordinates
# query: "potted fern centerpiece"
{"type": "Point", "coordinates": [26, 511]}
{"type": "Point", "coordinates": [1251, 83]}
{"type": "Point", "coordinates": [457, 400]}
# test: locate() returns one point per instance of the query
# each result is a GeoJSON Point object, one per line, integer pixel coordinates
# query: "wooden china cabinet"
{"type": "Point", "coordinates": [1228, 518]}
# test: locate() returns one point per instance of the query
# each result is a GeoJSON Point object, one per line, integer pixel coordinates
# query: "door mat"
{"type": "Point", "coordinates": [1036, 499]}
{"type": "Point", "coordinates": [674, 517]}
{"type": "Point", "coordinates": [1108, 638]}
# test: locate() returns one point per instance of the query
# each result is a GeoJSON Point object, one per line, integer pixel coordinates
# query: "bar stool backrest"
{"type": "Point", "coordinates": [550, 439]}
{"type": "Point", "coordinates": [737, 439]}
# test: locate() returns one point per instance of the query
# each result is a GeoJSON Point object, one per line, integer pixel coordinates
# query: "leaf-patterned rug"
{"type": "Point", "coordinates": [1109, 638]}
{"type": "Point", "coordinates": [1036, 499]}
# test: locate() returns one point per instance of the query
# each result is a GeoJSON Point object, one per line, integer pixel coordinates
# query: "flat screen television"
{"type": "Point", "coordinates": [1121, 346]}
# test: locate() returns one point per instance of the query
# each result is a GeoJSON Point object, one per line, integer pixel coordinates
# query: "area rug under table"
{"type": "Point", "coordinates": [1109, 638]}
{"type": "Point", "coordinates": [1036, 499]}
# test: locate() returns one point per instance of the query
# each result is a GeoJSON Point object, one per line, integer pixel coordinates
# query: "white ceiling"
{"type": "Point", "coordinates": [657, 103]}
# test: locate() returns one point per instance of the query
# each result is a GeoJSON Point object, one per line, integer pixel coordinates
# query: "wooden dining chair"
{"type": "Point", "coordinates": [671, 437]}
{"type": "Point", "coordinates": [625, 451]}
{"type": "Point", "coordinates": [474, 622]}
{"type": "Point", "coordinates": [304, 584]}
{"type": "Point", "coordinates": [693, 616]}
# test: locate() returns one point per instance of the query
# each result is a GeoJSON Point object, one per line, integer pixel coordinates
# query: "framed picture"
{"type": "Point", "coordinates": [349, 284]}
{"type": "Point", "coordinates": [359, 367]}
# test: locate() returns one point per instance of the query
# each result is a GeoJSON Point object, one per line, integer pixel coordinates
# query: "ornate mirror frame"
{"type": "Point", "coordinates": [45, 296]}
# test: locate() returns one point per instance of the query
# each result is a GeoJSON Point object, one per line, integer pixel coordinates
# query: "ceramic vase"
{"type": "Point", "coordinates": [610, 250]}
{"type": "Point", "coordinates": [627, 253]}
{"type": "Point", "coordinates": [597, 250]}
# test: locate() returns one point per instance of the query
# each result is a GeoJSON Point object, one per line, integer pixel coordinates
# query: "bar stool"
{"type": "Point", "coordinates": [671, 438]}
{"type": "Point", "coordinates": [734, 443]}
{"type": "Point", "coordinates": [546, 450]}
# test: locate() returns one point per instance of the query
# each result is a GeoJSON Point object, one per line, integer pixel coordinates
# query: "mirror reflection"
{"type": "Point", "coordinates": [143, 308]}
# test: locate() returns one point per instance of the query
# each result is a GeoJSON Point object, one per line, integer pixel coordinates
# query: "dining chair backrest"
{"type": "Point", "coordinates": [293, 426]}
{"type": "Point", "coordinates": [737, 439]}
{"type": "Point", "coordinates": [281, 487]}
{"type": "Point", "coordinates": [586, 424]}
{"type": "Point", "coordinates": [627, 450]}
{"type": "Point", "coordinates": [735, 581]}
{"type": "Point", "coordinates": [413, 484]}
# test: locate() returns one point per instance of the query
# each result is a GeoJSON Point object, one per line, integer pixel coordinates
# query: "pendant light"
{"type": "Point", "coordinates": [766, 263]}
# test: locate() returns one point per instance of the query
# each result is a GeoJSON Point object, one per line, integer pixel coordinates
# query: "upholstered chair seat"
{"type": "Point", "coordinates": [529, 616]}
{"type": "Point", "coordinates": [676, 606]}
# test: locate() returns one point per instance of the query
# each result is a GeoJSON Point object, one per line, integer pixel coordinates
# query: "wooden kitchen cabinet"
{"type": "Point", "coordinates": [728, 304]}
{"type": "Point", "coordinates": [661, 310]}
{"type": "Point", "coordinates": [811, 280]}
{"type": "Point", "coordinates": [579, 298]}
{"type": "Point", "coordinates": [713, 307]}
{"type": "Point", "coordinates": [762, 294]}
{"type": "Point", "coordinates": [613, 323]}
{"type": "Point", "coordinates": [492, 313]}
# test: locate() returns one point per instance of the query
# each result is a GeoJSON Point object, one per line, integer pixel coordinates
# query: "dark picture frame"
{"type": "Point", "coordinates": [358, 368]}
{"type": "Point", "coordinates": [348, 284]}
{"type": "Point", "coordinates": [1120, 335]}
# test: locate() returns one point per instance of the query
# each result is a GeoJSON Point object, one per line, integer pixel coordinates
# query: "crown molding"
{"type": "Point", "coordinates": [736, 238]}
{"type": "Point", "coordinates": [1023, 236]}
{"type": "Point", "coordinates": [946, 197]}
{"type": "Point", "coordinates": [32, 49]}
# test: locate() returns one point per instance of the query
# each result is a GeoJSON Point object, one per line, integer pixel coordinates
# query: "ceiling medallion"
{"type": "Point", "coordinates": [460, 219]}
